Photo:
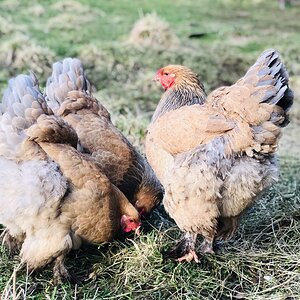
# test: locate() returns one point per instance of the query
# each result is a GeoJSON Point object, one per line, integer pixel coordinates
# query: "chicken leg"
{"type": "Point", "coordinates": [227, 227]}
{"type": "Point", "coordinates": [207, 246]}
{"type": "Point", "coordinates": [60, 271]}
{"type": "Point", "coordinates": [184, 250]}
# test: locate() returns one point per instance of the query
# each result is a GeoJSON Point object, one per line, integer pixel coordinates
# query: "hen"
{"type": "Point", "coordinates": [51, 196]}
{"type": "Point", "coordinates": [68, 93]}
{"type": "Point", "coordinates": [215, 156]}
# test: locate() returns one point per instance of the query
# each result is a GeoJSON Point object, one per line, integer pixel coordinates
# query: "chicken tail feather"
{"type": "Point", "coordinates": [67, 75]}
{"type": "Point", "coordinates": [271, 80]}
{"type": "Point", "coordinates": [21, 106]}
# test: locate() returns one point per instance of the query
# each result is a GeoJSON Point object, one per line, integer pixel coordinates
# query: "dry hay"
{"type": "Point", "coordinates": [10, 4]}
{"type": "Point", "coordinates": [72, 7]}
{"type": "Point", "coordinates": [97, 63]}
{"type": "Point", "coordinates": [36, 10]}
{"type": "Point", "coordinates": [7, 26]}
{"type": "Point", "coordinates": [152, 32]}
{"type": "Point", "coordinates": [20, 53]}
{"type": "Point", "coordinates": [68, 21]}
{"type": "Point", "coordinates": [91, 54]}
{"type": "Point", "coordinates": [71, 14]}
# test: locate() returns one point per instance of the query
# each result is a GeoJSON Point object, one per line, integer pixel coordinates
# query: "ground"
{"type": "Point", "coordinates": [219, 40]}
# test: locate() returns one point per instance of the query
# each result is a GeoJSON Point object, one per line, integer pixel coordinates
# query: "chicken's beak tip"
{"type": "Point", "coordinates": [138, 231]}
{"type": "Point", "coordinates": [156, 79]}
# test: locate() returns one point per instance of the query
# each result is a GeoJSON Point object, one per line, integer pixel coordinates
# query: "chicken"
{"type": "Point", "coordinates": [215, 156]}
{"type": "Point", "coordinates": [52, 197]}
{"type": "Point", "coordinates": [68, 93]}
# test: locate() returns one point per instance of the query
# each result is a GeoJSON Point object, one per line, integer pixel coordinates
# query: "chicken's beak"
{"type": "Point", "coordinates": [138, 231]}
{"type": "Point", "coordinates": [156, 78]}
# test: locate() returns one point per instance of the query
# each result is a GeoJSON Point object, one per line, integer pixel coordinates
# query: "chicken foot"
{"type": "Point", "coordinates": [184, 250]}
{"type": "Point", "coordinates": [207, 246]}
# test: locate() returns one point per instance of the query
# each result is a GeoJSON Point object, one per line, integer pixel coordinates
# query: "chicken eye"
{"type": "Point", "coordinates": [166, 74]}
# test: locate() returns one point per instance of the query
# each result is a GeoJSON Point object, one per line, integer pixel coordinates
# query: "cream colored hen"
{"type": "Point", "coordinates": [51, 196]}
{"type": "Point", "coordinates": [215, 156]}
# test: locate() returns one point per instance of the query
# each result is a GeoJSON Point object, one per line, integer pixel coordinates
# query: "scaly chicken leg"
{"type": "Point", "coordinates": [184, 250]}
{"type": "Point", "coordinates": [207, 246]}
{"type": "Point", "coordinates": [227, 226]}
{"type": "Point", "coordinates": [60, 271]}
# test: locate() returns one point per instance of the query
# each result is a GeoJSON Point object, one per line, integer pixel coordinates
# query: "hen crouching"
{"type": "Point", "coordinates": [215, 156]}
{"type": "Point", "coordinates": [51, 196]}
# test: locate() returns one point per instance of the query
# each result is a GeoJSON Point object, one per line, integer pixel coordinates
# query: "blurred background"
{"type": "Point", "coordinates": [121, 44]}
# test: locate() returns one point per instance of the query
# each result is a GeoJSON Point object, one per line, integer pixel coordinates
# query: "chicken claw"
{"type": "Point", "coordinates": [184, 250]}
{"type": "Point", "coordinates": [189, 257]}
{"type": "Point", "coordinates": [227, 228]}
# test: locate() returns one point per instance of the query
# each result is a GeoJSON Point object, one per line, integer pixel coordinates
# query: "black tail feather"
{"type": "Point", "coordinates": [269, 70]}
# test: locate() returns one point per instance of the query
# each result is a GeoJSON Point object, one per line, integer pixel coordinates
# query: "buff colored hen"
{"type": "Point", "coordinates": [215, 156]}
{"type": "Point", "coordinates": [68, 93]}
{"type": "Point", "coordinates": [51, 196]}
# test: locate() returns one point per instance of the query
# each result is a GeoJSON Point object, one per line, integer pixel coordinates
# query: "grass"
{"type": "Point", "coordinates": [262, 261]}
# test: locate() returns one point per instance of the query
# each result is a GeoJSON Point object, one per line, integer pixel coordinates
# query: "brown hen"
{"type": "Point", "coordinates": [52, 197]}
{"type": "Point", "coordinates": [215, 156]}
{"type": "Point", "coordinates": [69, 95]}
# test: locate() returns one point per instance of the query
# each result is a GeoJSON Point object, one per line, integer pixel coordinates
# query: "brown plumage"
{"type": "Point", "coordinates": [52, 197]}
{"type": "Point", "coordinates": [215, 156]}
{"type": "Point", "coordinates": [69, 95]}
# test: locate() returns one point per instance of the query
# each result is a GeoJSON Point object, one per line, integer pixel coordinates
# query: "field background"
{"type": "Point", "coordinates": [263, 260]}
